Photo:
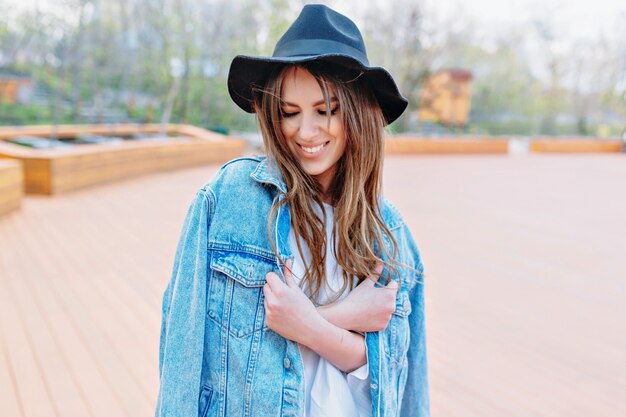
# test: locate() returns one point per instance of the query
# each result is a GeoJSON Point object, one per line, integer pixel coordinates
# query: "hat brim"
{"type": "Point", "coordinates": [247, 72]}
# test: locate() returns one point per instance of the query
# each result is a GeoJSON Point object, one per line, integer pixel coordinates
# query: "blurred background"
{"type": "Point", "coordinates": [534, 67]}
{"type": "Point", "coordinates": [508, 168]}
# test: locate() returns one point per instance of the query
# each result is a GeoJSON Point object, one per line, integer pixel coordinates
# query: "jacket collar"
{"type": "Point", "coordinates": [267, 172]}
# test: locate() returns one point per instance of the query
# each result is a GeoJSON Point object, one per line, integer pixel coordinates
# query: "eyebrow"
{"type": "Point", "coordinates": [317, 103]}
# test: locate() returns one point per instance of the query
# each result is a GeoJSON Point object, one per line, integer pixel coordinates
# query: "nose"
{"type": "Point", "coordinates": [309, 127]}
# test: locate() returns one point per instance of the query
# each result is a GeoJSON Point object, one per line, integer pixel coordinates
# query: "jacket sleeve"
{"type": "Point", "coordinates": [416, 402]}
{"type": "Point", "coordinates": [184, 307]}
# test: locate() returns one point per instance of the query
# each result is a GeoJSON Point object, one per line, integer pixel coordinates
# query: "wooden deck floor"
{"type": "Point", "coordinates": [526, 296]}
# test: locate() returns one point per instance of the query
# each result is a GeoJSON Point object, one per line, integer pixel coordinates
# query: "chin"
{"type": "Point", "coordinates": [314, 171]}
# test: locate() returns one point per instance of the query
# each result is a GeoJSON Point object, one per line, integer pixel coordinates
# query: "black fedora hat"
{"type": "Point", "coordinates": [318, 34]}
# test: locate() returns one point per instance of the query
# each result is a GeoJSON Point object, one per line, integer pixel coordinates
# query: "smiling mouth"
{"type": "Point", "coordinates": [313, 149]}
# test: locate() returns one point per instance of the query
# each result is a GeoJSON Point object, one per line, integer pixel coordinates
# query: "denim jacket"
{"type": "Point", "coordinates": [218, 358]}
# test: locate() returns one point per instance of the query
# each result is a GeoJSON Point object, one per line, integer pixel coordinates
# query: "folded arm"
{"type": "Point", "coordinates": [329, 330]}
{"type": "Point", "coordinates": [368, 308]}
{"type": "Point", "coordinates": [291, 314]}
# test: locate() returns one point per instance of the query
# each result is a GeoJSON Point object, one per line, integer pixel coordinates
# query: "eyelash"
{"type": "Point", "coordinates": [320, 112]}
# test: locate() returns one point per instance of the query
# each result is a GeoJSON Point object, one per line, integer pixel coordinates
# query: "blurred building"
{"type": "Point", "coordinates": [445, 98]}
{"type": "Point", "coordinates": [15, 87]}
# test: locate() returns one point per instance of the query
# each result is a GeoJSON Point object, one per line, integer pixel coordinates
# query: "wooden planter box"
{"type": "Point", "coordinates": [11, 185]}
{"type": "Point", "coordinates": [59, 170]}
{"type": "Point", "coordinates": [574, 145]}
{"type": "Point", "coordinates": [422, 145]}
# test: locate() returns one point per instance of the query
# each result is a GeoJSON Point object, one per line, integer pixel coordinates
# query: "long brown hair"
{"type": "Point", "coordinates": [359, 230]}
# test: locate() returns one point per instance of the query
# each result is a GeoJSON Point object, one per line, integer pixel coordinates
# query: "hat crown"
{"type": "Point", "coordinates": [319, 34]}
{"type": "Point", "coordinates": [320, 30]}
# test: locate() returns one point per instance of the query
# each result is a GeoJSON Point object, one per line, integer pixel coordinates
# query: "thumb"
{"type": "Point", "coordinates": [287, 273]}
{"type": "Point", "coordinates": [378, 269]}
{"type": "Point", "coordinates": [392, 285]}
{"type": "Point", "coordinates": [372, 280]}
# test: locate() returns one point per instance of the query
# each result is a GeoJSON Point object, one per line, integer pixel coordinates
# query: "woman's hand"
{"type": "Point", "coordinates": [288, 311]}
{"type": "Point", "coordinates": [367, 308]}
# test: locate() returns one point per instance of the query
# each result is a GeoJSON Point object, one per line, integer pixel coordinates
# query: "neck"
{"type": "Point", "coordinates": [324, 180]}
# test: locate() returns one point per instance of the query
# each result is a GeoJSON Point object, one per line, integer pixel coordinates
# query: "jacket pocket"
{"type": "Point", "coordinates": [398, 330]}
{"type": "Point", "coordinates": [235, 293]}
{"type": "Point", "coordinates": [204, 401]}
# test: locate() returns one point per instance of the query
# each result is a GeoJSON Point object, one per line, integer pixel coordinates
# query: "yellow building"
{"type": "Point", "coordinates": [14, 87]}
{"type": "Point", "coordinates": [445, 98]}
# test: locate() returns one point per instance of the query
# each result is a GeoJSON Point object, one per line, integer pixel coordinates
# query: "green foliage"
{"type": "Point", "coordinates": [144, 115]}
{"type": "Point", "coordinates": [113, 50]}
{"type": "Point", "coordinates": [19, 114]}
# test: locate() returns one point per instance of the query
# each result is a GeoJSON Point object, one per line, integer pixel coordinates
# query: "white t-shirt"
{"type": "Point", "coordinates": [329, 391]}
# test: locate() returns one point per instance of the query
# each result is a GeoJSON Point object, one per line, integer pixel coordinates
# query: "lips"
{"type": "Point", "coordinates": [313, 149]}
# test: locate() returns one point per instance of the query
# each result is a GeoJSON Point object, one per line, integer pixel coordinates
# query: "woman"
{"type": "Point", "coordinates": [297, 288]}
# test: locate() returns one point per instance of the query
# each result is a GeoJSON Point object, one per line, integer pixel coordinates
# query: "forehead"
{"type": "Point", "coordinates": [300, 87]}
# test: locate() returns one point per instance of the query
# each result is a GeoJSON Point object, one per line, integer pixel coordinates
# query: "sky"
{"type": "Point", "coordinates": [576, 25]}
{"type": "Point", "coordinates": [572, 22]}
{"type": "Point", "coordinates": [576, 19]}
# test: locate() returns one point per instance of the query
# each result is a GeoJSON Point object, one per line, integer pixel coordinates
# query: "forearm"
{"type": "Point", "coordinates": [334, 314]}
{"type": "Point", "coordinates": [343, 348]}
{"type": "Point", "coordinates": [366, 309]}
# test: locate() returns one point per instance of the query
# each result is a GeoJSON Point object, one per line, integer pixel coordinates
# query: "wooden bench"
{"type": "Point", "coordinates": [11, 185]}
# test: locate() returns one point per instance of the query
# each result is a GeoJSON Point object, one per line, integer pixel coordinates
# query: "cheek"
{"type": "Point", "coordinates": [288, 128]}
{"type": "Point", "coordinates": [289, 135]}
{"type": "Point", "coordinates": [343, 146]}
{"type": "Point", "coordinates": [341, 149]}
{"type": "Point", "coordinates": [338, 133]}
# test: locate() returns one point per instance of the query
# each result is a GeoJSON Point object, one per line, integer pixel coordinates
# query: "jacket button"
{"type": "Point", "coordinates": [374, 387]}
{"type": "Point", "coordinates": [287, 363]}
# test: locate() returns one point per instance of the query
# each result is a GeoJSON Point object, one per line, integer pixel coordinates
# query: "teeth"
{"type": "Point", "coordinates": [313, 150]}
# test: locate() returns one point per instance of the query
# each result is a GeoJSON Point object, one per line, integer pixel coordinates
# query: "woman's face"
{"type": "Point", "coordinates": [316, 139]}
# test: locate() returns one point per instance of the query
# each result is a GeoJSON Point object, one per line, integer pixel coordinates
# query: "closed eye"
{"type": "Point", "coordinates": [286, 114]}
{"type": "Point", "coordinates": [333, 111]}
